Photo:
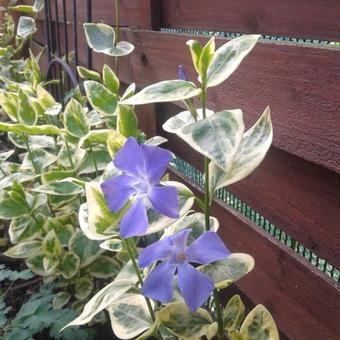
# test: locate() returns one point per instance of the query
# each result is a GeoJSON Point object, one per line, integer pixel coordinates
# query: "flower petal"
{"type": "Point", "coordinates": [206, 249]}
{"type": "Point", "coordinates": [165, 200]}
{"type": "Point", "coordinates": [129, 158]}
{"type": "Point", "coordinates": [195, 286]}
{"type": "Point", "coordinates": [156, 161]}
{"type": "Point", "coordinates": [179, 240]}
{"type": "Point", "coordinates": [159, 283]}
{"type": "Point", "coordinates": [117, 190]}
{"type": "Point", "coordinates": [135, 222]}
{"type": "Point", "coordinates": [158, 251]}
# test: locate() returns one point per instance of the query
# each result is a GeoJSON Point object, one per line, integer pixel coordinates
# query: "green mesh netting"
{"type": "Point", "coordinates": [197, 177]}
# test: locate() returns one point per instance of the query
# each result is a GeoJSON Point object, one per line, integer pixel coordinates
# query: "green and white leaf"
{"type": "Point", "coordinates": [31, 130]}
{"type": "Point", "coordinates": [50, 264]}
{"type": "Point", "coordinates": [101, 99]}
{"type": "Point", "coordinates": [75, 119]}
{"type": "Point", "coordinates": [229, 270]}
{"type": "Point", "coordinates": [201, 134]}
{"type": "Point", "coordinates": [83, 288]}
{"type": "Point", "coordinates": [42, 159]}
{"type": "Point", "coordinates": [104, 267]}
{"type": "Point", "coordinates": [252, 150]}
{"type": "Point", "coordinates": [187, 325]}
{"type": "Point", "coordinates": [26, 113]}
{"type": "Point", "coordinates": [24, 250]}
{"type": "Point", "coordinates": [115, 245]}
{"type": "Point", "coordinates": [69, 265]}
{"type": "Point", "coordinates": [26, 27]}
{"type": "Point", "coordinates": [233, 314]}
{"type": "Point", "coordinates": [110, 79]}
{"type": "Point", "coordinates": [164, 91]}
{"type": "Point", "coordinates": [228, 57]}
{"type": "Point", "coordinates": [63, 187]}
{"type": "Point", "coordinates": [51, 244]}
{"type": "Point", "coordinates": [60, 300]}
{"type": "Point", "coordinates": [88, 74]}
{"type": "Point", "coordinates": [130, 316]}
{"type": "Point", "coordinates": [259, 325]}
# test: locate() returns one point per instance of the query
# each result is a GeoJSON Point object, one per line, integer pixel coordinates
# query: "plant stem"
{"type": "Point", "coordinates": [117, 34]}
{"type": "Point", "coordinates": [131, 250]}
{"type": "Point", "coordinates": [220, 333]}
{"type": "Point", "coordinates": [216, 296]}
{"type": "Point", "coordinates": [3, 171]}
{"type": "Point", "coordinates": [69, 153]}
{"type": "Point", "coordinates": [94, 160]}
{"type": "Point", "coordinates": [30, 152]}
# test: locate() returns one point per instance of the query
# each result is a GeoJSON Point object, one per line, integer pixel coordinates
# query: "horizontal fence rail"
{"type": "Point", "coordinates": [297, 188]}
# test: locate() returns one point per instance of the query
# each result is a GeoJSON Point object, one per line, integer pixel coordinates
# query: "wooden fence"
{"type": "Point", "coordinates": [298, 185]}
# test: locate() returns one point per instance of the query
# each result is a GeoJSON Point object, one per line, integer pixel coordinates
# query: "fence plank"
{"type": "Point", "coordinates": [300, 197]}
{"type": "Point", "coordinates": [293, 18]}
{"type": "Point", "coordinates": [304, 304]}
{"type": "Point", "coordinates": [301, 85]}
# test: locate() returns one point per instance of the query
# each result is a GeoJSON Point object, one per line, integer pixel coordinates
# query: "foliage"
{"type": "Point", "coordinates": [68, 204]}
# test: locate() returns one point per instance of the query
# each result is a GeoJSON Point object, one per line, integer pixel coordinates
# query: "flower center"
{"type": "Point", "coordinates": [181, 257]}
{"type": "Point", "coordinates": [143, 187]}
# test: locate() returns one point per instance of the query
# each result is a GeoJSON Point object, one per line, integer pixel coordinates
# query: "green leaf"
{"type": "Point", "coordinates": [115, 142]}
{"type": "Point", "coordinates": [94, 137]}
{"type": "Point", "coordinates": [111, 81]}
{"type": "Point", "coordinates": [233, 314]}
{"type": "Point", "coordinates": [50, 264]}
{"type": "Point", "coordinates": [26, 112]}
{"type": "Point", "coordinates": [186, 325]}
{"type": "Point", "coordinates": [253, 147]}
{"type": "Point", "coordinates": [30, 130]}
{"type": "Point", "coordinates": [206, 56]}
{"type": "Point", "coordinates": [60, 300]}
{"type": "Point", "coordinates": [46, 100]}
{"type": "Point", "coordinates": [42, 159]}
{"type": "Point", "coordinates": [26, 27]}
{"type": "Point", "coordinates": [102, 300]}
{"type": "Point", "coordinates": [25, 228]}
{"type": "Point", "coordinates": [164, 91]}
{"type": "Point", "coordinates": [195, 50]}
{"type": "Point", "coordinates": [76, 154]}
{"type": "Point", "coordinates": [129, 92]}
{"type": "Point", "coordinates": [229, 270]}
{"type": "Point", "coordinates": [87, 250]}
{"type": "Point", "coordinates": [259, 325]}
{"type": "Point", "coordinates": [102, 158]}
{"type": "Point", "coordinates": [104, 267]}
{"type": "Point", "coordinates": [69, 265]}
{"type": "Point", "coordinates": [101, 99]}
{"type": "Point", "coordinates": [22, 8]}
{"type": "Point", "coordinates": [156, 141]}
{"type": "Point", "coordinates": [236, 336]}
{"type": "Point", "coordinates": [34, 141]}
{"type": "Point", "coordinates": [127, 122]}
{"type": "Point", "coordinates": [130, 316]}
{"type": "Point", "coordinates": [75, 119]}
{"type": "Point", "coordinates": [51, 244]}
{"type": "Point", "coordinates": [201, 134]}
{"type": "Point", "coordinates": [38, 5]}
{"type": "Point", "coordinates": [8, 103]}
{"type": "Point", "coordinates": [61, 188]}
{"type": "Point", "coordinates": [101, 38]}
{"type": "Point", "coordinates": [114, 245]}
{"type": "Point", "coordinates": [35, 264]}
{"type": "Point", "coordinates": [24, 250]}
{"type": "Point", "coordinates": [53, 176]}
{"type": "Point", "coordinates": [19, 177]}
{"type": "Point", "coordinates": [88, 74]}
{"type": "Point", "coordinates": [228, 57]}
{"type": "Point", "coordinates": [83, 288]}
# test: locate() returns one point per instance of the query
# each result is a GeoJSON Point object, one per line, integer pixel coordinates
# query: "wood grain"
{"type": "Point", "coordinates": [293, 18]}
{"type": "Point", "coordinates": [304, 304]}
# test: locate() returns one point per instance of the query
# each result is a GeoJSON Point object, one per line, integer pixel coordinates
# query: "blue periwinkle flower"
{"type": "Point", "coordinates": [175, 255]}
{"type": "Point", "coordinates": [181, 73]}
{"type": "Point", "coordinates": [142, 168]}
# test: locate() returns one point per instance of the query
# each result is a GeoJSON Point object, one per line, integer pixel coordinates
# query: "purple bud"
{"type": "Point", "coordinates": [181, 73]}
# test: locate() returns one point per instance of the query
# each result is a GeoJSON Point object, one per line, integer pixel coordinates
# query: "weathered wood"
{"type": "Point", "coordinates": [300, 197]}
{"type": "Point", "coordinates": [136, 13]}
{"type": "Point", "coordinates": [293, 18]}
{"type": "Point", "coordinates": [303, 302]}
{"type": "Point", "coordinates": [300, 84]}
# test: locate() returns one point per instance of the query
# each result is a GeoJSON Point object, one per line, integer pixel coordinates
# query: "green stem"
{"type": "Point", "coordinates": [69, 153]}
{"type": "Point", "coordinates": [207, 214]}
{"type": "Point", "coordinates": [94, 160]}
{"type": "Point", "coordinates": [220, 333]}
{"type": "Point", "coordinates": [131, 250]}
{"type": "Point", "coordinates": [117, 34]}
{"type": "Point", "coordinates": [3, 171]}
{"type": "Point", "coordinates": [30, 152]}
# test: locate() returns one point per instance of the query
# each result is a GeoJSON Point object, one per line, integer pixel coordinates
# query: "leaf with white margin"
{"type": "Point", "coordinates": [124, 281]}
{"type": "Point", "coordinates": [115, 245]}
{"type": "Point", "coordinates": [185, 324]}
{"type": "Point", "coordinates": [26, 27]}
{"type": "Point", "coordinates": [253, 148]}
{"type": "Point", "coordinates": [259, 325]}
{"type": "Point", "coordinates": [202, 134]}
{"type": "Point", "coordinates": [156, 141]}
{"type": "Point", "coordinates": [101, 38]}
{"type": "Point", "coordinates": [229, 270]}
{"type": "Point", "coordinates": [164, 91]}
{"type": "Point", "coordinates": [233, 314]}
{"type": "Point", "coordinates": [195, 222]}
{"type": "Point", "coordinates": [24, 249]}
{"type": "Point", "coordinates": [130, 316]}
{"type": "Point", "coordinates": [228, 57]}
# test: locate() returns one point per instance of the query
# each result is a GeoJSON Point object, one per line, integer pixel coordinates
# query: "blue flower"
{"type": "Point", "coordinates": [181, 73]}
{"type": "Point", "coordinates": [175, 255]}
{"type": "Point", "coordinates": [142, 168]}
